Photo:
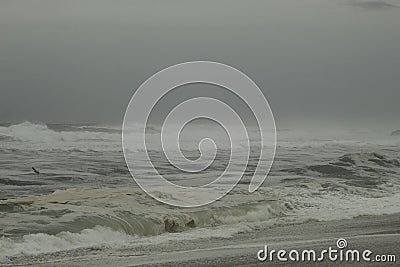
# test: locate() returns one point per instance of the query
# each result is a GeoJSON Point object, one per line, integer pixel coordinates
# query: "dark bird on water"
{"type": "Point", "coordinates": [36, 171]}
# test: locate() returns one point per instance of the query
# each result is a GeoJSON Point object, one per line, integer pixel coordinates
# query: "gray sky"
{"type": "Point", "coordinates": [316, 60]}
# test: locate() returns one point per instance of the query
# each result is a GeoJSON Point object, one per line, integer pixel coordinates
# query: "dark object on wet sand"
{"type": "Point", "coordinates": [36, 171]}
{"type": "Point", "coordinates": [396, 133]}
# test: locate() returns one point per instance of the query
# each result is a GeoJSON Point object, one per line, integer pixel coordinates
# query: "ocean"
{"type": "Point", "coordinates": [84, 196]}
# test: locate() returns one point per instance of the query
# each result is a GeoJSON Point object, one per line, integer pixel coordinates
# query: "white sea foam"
{"type": "Point", "coordinates": [33, 244]}
{"type": "Point", "coordinates": [332, 206]}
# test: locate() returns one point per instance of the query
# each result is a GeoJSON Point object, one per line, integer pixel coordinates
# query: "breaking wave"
{"type": "Point", "coordinates": [83, 220]}
{"type": "Point", "coordinates": [78, 217]}
{"type": "Point", "coordinates": [132, 212]}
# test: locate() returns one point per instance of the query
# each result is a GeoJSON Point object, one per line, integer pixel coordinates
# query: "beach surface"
{"type": "Point", "coordinates": [380, 234]}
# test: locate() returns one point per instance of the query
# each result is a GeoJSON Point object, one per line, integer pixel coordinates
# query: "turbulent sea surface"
{"type": "Point", "coordinates": [85, 197]}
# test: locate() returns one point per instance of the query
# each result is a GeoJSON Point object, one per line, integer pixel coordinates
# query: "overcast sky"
{"type": "Point", "coordinates": [317, 60]}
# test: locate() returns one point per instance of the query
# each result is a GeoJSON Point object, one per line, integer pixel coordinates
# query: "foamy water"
{"type": "Point", "coordinates": [84, 195]}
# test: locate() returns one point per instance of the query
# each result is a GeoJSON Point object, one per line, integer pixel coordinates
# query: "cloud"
{"type": "Point", "coordinates": [378, 4]}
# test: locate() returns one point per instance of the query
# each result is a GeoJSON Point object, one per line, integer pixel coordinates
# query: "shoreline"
{"type": "Point", "coordinates": [380, 234]}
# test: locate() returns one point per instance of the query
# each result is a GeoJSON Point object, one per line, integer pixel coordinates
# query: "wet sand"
{"type": "Point", "coordinates": [380, 234]}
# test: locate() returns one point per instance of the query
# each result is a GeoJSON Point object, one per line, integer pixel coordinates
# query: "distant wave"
{"type": "Point", "coordinates": [92, 128]}
{"type": "Point", "coordinates": [80, 138]}
{"type": "Point", "coordinates": [396, 133]}
{"type": "Point", "coordinates": [353, 165]}
{"type": "Point", "coordinates": [30, 132]}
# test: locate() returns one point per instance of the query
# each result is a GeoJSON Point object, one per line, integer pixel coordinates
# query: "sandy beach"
{"type": "Point", "coordinates": [380, 234]}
